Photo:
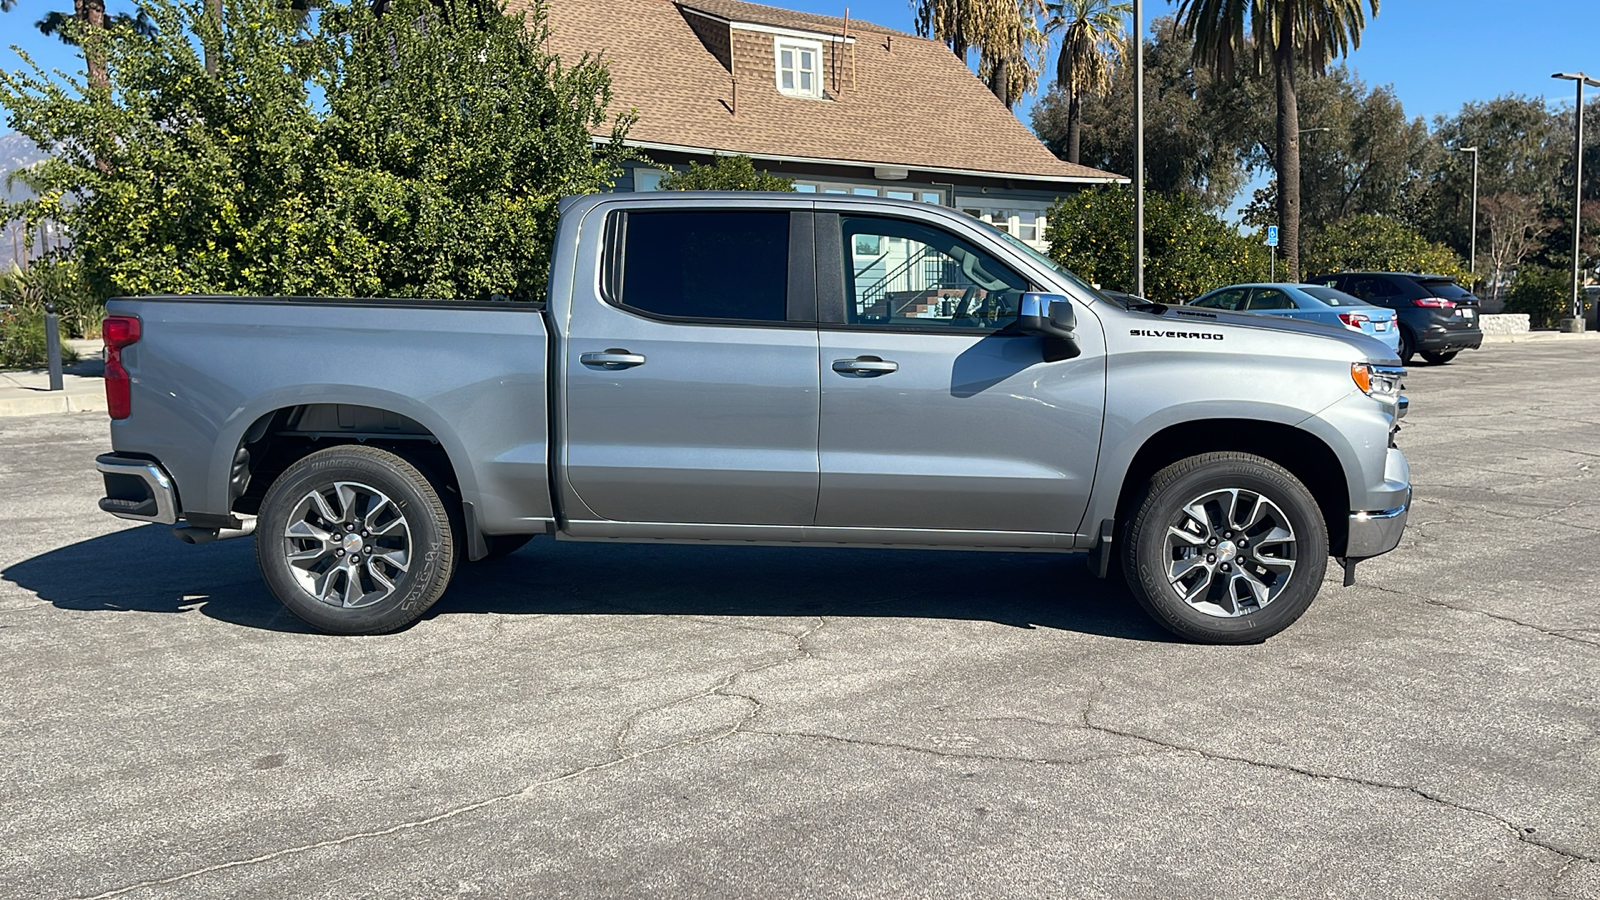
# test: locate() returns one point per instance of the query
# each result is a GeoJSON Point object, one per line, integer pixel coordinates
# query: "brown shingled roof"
{"type": "Point", "coordinates": [908, 102]}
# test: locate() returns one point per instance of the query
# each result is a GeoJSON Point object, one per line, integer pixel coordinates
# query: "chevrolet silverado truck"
{"type": "Point", "coordinates": [740, 368]}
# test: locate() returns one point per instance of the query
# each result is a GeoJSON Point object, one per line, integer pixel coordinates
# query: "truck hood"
{"type": "Point", "coordinates": [1370, 348]}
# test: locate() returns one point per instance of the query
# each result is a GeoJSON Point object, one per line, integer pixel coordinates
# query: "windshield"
{"type": "Point", "coordinates": [1054, 266]}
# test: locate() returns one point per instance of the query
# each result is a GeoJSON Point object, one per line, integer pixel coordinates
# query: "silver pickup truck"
{"type": "Point", "coordinates": [762, 369]}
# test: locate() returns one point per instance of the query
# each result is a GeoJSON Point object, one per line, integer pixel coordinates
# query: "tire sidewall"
{"type": "Point", "coordinates": [431, 539]}
{"type": "Point", "coordinates": [1148, 548]}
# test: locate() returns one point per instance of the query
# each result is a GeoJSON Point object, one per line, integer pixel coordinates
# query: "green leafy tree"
{"type": "Point", "coordinates": [1188, 250]}
{"type": "Point", "coordinates": [1285, 37]}
{"type": "Point", "coordinates": [1379, 243]}
{"type": "Point", "coordinates": [726, 173]}
{"type": "Point", "coordinates": [1092, 42]}
{"type": "Point", "coordinates": [432, 165]}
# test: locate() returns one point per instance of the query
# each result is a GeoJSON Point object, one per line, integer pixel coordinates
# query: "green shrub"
{"type": "Point", "coordinates": [22, 343]}
{"type": "Point", "coordinates": [1544, 294]}
{"type": "Point", "coordinates": [726, 173]}
{"type": "Point", "coordinates": [58, 281]}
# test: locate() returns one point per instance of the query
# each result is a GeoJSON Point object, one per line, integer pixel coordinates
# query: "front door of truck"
{"type": "Point", "coordinates": [691, 371]}
{"type": "Point", "coordinates": [934, 415]}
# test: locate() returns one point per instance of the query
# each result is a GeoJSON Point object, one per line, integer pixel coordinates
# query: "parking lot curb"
{"type": "Point", "coordinates": [1526, 336]}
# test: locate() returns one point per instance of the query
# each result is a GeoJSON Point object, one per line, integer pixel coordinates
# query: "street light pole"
{"type": "Point", "coordinates": [1138, 149]}
{"type": "Point", "coordinates": [1577, 203]}
{"type": "Point", "coordinates": [1472, 262]}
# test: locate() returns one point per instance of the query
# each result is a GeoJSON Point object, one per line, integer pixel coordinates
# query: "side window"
{"type": "Point", "coordinates": [1270, 298]}
{"type": "Point", "coordinates": [703, 264]}
{"type": "Point", "coordinates": [898, 272]}
{"type": "Point", "coordinates": [1363, 287]}
{"type": "Point", "coordinates": [1229, 299]}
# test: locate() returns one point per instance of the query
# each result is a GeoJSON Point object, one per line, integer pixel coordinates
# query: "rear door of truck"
{"type": "Point", "coordinates": [690, 367]}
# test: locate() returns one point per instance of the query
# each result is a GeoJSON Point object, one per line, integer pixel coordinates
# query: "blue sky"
{"type": "Point", "coordinates": [1438, 54]}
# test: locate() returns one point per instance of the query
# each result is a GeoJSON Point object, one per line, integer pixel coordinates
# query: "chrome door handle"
{"type": "Point", "coordinates": [611, 359]}
{"type": "Point", "coordinates": [865, 366]}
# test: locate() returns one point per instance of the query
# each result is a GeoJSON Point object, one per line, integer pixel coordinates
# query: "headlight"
{"type": "Point", "coordinates": [1378, 382]}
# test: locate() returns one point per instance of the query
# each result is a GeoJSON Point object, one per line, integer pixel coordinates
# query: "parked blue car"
{"type": "Point", "coordinates": [1307, 301]}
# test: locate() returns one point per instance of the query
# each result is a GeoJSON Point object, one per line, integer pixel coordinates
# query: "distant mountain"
{"type": "Point", "coordinates": [16, 152]}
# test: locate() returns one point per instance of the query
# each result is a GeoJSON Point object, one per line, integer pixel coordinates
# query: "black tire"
{"type": "Point", "coordinates": [410, 525]}
{"type": "Point", "coordinates": [1408, 346]}
{"type": "Point", "coordinates": [1439, 359]}
{"type": "Point", "coordinates": [503, 545]}
{"type": "Point", "coordinates": [1150, 554]}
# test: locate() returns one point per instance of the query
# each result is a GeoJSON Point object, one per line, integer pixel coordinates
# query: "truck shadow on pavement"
{"type": "Point", "coordinates": [145, 569]}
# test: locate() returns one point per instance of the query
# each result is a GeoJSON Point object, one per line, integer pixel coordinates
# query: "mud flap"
{"type": "Point", "coordinates": [1100, 556]}
{"type": "Point", "coordinates": [1349, 566]}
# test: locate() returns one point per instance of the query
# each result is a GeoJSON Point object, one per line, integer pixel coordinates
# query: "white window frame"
{"type": "Point", "coordinates": [796, 45]}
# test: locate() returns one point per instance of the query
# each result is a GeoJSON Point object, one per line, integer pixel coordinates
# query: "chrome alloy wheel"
{"type": "Point", "coordinates": [347, 545]}
{"type": "Point", "coordinates": [1230, 552]}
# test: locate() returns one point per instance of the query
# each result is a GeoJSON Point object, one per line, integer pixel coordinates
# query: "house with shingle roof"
{"type": "Point", "coordinates": [840, 106]}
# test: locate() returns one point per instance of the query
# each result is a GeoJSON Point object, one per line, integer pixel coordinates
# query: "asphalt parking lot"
{"type": "Point", "coordinates": [586, 720]}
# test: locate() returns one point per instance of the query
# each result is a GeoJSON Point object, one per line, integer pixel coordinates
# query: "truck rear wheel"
{"type": "Point", "coordinates": [1225, 548]}
{"type": "Point", "coordinates": [355, 540]}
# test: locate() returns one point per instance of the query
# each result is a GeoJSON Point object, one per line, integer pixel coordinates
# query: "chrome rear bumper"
{"type": "Point", "coordinates": [137, 489]}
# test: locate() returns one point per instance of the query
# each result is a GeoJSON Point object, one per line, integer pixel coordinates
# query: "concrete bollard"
{"type": "Point", "coordinates": [52, 345]}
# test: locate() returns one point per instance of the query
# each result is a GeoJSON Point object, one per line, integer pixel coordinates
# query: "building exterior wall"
{"type": "Point", "coordinates": [1019, 212]}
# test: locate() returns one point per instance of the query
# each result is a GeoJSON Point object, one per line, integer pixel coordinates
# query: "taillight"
{"type": "Point", "coordinates": [1354, 320]}
{"type": "Point", "coordinates": [119, 332]}
{"type": "Point", "coordinates": [1435, 302]}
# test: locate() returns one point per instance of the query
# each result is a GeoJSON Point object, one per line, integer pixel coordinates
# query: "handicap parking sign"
{"type": "Point", "coordinates": [1272, 235]}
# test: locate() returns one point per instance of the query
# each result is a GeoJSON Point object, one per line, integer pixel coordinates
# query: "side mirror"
{"type": "Point", "coordinates": [1050, 315]}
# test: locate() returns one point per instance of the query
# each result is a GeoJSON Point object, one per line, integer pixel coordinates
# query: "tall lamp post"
{"type": "Point", "coordinates": [1138, 150]}
{"type": "Point", "coordinates": [1472, 262]}
{"type": "Point", "coordinates": [1577, 202]}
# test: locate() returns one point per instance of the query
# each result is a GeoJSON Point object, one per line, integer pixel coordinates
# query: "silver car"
{"type": "Point", "coordinates": [1307, 301]}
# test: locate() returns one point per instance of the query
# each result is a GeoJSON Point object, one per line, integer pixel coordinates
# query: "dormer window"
{"type": "Point", "coordinates": [799, 67]}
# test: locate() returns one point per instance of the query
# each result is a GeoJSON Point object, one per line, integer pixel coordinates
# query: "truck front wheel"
{"type": "Point", "coordinates": [355, 540]}
{"type": "Point", "coordinates": [1225, 548]}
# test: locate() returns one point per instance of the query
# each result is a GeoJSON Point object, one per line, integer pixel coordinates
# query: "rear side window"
{"type": "Point", "coordinates": [703, 264]}
{"type": "Point", "coordinates": [1332, 297]}
{"type": "Point", "coordinates": [1270, 298]}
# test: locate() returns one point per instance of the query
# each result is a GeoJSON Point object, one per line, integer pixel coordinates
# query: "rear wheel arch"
{"type": "Point", "coordinates": [277, 439]}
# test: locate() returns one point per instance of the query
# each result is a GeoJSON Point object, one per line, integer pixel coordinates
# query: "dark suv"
{"type": "Point", "coordinates": [1438, 318]}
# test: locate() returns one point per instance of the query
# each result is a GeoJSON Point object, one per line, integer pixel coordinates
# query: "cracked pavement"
{"type": "Point", "coordinates": [589, 720]}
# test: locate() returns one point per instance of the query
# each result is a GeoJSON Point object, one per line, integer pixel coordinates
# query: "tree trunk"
{"type": "Point", "coordinates": [1074, 127]}
{"type": "Point", "coordinates": [1000, 81]}
{"type": "Point", "coordinates": [213, 9]}
{"type": "Point", "coordinates": [1288, 151]}
{"type": "Point", "coordinates": [93, 14]}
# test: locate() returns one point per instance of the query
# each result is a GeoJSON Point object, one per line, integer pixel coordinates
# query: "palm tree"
{"type": "Point", "coordinates": [1091, 48]}
{"type": "Point", "coordinates": [1005, 32]}
{"type": "Point", "coordinates": [1289, 35]}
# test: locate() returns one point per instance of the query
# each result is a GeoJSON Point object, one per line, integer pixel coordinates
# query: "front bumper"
{"type": "Point", "coordinates": [137, 489]}
{"type": "Point", "coordinates": [1376, 532]}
